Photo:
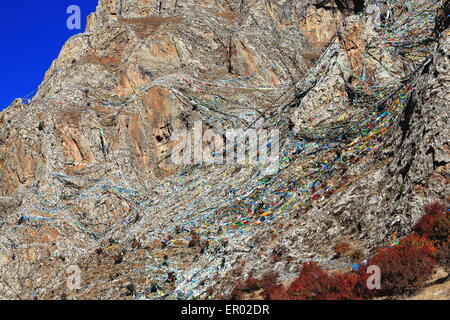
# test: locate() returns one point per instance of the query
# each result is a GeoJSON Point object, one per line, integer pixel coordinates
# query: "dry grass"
{"type": "Point", "coordinates": [436, 290]}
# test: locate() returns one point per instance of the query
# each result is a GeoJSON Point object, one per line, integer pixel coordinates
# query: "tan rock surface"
{"type": "Point", "coordinates": [85, 171]}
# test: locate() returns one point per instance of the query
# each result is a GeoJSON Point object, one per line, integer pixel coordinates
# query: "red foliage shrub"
{"type": "Point", "coordinates": [435, 224]}
{"type": "Point", "coordinates": [275, 292]}
{"type": "Point", "coordinates": [237, 293]}
{"type": "Point", "coordinates": [276, 258]}
{"type": "Point", "coordinates": [441, 228]}
{"type": "Point", "coordinates": [252, 284]}
{"type": "Point", "coordinates": [417, 242]}
{"type": "Point", "coordinates": [347, 286]}
{"type": "Point", "coordinates": [406, 266]}
{"type": "Point", "coordinates": [309, 281]}
{"type": "Point", "coordinates": [249, 285]}
{"type": "Point", "coordinates": [313, 283]}
{"type": "Point", "coordinates": [269, 279]}
{"type": "Point", "coordinates": [435, 208]}
{"type": "Point", "coordinates": [272, 290]}
{"type": "Point", "coordinates": [425, 225]}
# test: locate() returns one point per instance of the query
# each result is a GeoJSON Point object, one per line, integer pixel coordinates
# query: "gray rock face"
{"type": "Point", "coordinates": [87, 182]}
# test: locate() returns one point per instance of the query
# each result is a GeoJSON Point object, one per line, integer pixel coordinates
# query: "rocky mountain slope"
{"type": "Point", "coordinates": [359, 91]}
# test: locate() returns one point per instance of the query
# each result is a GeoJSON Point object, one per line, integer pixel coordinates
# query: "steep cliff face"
{"type": "Point", "coordinates": [359, 92]}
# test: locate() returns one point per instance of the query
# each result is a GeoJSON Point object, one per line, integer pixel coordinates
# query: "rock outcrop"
{"type": "Point", "coordinates": [358, 91]}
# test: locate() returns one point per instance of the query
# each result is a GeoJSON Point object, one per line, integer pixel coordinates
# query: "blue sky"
{"type": "Point", "coordinates": [32, 34]}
